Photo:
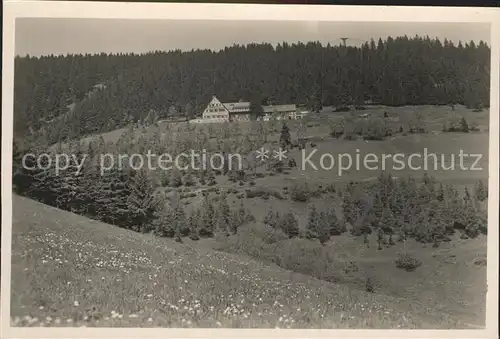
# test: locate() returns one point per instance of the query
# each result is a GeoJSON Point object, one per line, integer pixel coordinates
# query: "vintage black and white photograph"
{"type": "Point", "coordinates": [272, 174]}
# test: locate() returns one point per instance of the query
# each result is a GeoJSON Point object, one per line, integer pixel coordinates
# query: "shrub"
{"type": "Point", "coordinates": [480, 261]}
{"type": "Point", "coordinates": [342, 109]}
{"type": "Point", "coordinates": [289, 225]}
{"type": "Point", "coordinates": [350, 267]}
{"type": "Point", "coordinates": [407, 262]}
{"type": "Point", "coordinates": [188, 180]}
{"type": "Point", "coordinates": [263, 193]}
{"type": "Point", "coordinates": [369, 285]}
{"type": "Point", "coordinates": [188, 195]}
{"type": "Point", "coordinates": [300, 192]}
{"type": "Point", "coordinates": [236, 175]}
{"type": "Point", "coordinates": [164, 180]}
{"type": "Point", "coordinates": [175, 178]}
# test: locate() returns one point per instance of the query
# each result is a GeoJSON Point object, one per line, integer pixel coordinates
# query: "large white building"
{"type": "Point", "coordinates": [217, 111]}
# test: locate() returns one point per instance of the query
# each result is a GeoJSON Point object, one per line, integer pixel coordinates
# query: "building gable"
{"type": "Point", "coordinates": [215, 110]}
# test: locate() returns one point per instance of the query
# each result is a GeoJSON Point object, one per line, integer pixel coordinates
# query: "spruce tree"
{"type": "Point", "coordinates": [290, 225]}
{"type": "Point", "coordinates": [334, 225]}
{"type": "Point", "coordinates": [72, 193]}
{"type": "Point", "coordinates": [380, 238]}
{"type": "Point", "coordinates": [481, 191]}
{"type": "Point", "coordinates": [164, 179]}
{"type": "Point", "coordinates": [440, 193]}
{"type": "Point", "coordinates": [163, 223]}
{"type": "Point", "coordinates": [111, 198]}
{"type": "Point", "coordinates": [193, 225]}
{"type": "Point", "coordinates": [285, 139]}
{"type": "Point", "coordinates": [208, 218]}
{"type": "Point", "coordinates": [467, 197]}
{"type": "Point", "coordinates": [142, 202]}
{"type": "Point", "coordinates": [375, 213]}
{"type": "Point", "coordinates": [313, 224]}
{"type": "Point", "coordinates": [270, 218]}
{"type": "Point", "coordinates": [180, 224]}
{"type": "Point", "coordinates": [223, 217]}
{"type": "Point", "coordinates": [323, 228]}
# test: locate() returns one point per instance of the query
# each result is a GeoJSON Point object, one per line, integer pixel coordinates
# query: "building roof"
{"type": "Point", "coordinates": [234, 106]}
{"type": "Point", "coordinates": [279, 108]}
{"type": "Point", "coordinates": [244, 107]}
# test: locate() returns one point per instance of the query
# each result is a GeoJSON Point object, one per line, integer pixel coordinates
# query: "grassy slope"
{"type": "Point", "coordinates": [60, 260]}
{"type": "Point", "coordinates": [448, 281]}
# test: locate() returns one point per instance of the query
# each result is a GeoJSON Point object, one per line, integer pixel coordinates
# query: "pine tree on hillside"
{"type": "Point", "coordinates": [142, 201]}
{"type": "Point", "coordinates": [440, 196]}
{"type": "Point", "coordinates": [397, 201]}
{"type": "Point", "coordinates": [349, 208]}
{"type": "Point", "coordinates": [224, 217]}
{"type": "Point", "coordinates": [73, 194]}
{"type": "Point", "coordinates": [208, 219]}
{"type": "Point", "coordinates": [193, 225]}
{"type": "Point", "coordinates": [481, 191]}
{"type": "Point", "coordinates": [270, 218]}
{"type": "Point", "coordinates": [164, 221]}
{"type": "Point", "coordinates": [285, 139]}
{"type": "Point", "coordinates": [111, 198]}
{"type": "Point", "coordinates": [375, 213]}
{"type": "Point", "coordinates": [164, 178]}
{"type": "Point", "coordinates": [25, 177]}
{"type": "Point", "coordinates": [323, 228]}
{"type": "Point", "coordinates": [467, 197]}
{"type": "Point", "coordinates": [474, 221]}
{"type": "Point", "coordinates": [334, 225]}
{"type": "Point", "coordinates": [47, 185]}
{"type": "Point", "coordinates": [240, 217]}
{"type": "Point", "coordinates": [380, 238]}
{"type": "Point", "coordinates": [313, 224]}
{"type": "Point", "coordinates": [256, 109]}
{"type": "Point", "coordinates": [290, 225]}
{"type": "Point", "coordinates": [388, 224]}
{"type": "Point", "coordinates": [180, 224]}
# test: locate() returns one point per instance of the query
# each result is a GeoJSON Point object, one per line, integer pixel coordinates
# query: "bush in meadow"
{"type": "Point", "coordinates": [289, 225]}
{"type": "Point", "coordinates": [407, 262]}
{"type": "Point", "coordinates": [300, 192]}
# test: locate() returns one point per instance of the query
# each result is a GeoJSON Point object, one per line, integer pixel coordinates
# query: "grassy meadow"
{"type": "Point", "coordinates": [70, 271]}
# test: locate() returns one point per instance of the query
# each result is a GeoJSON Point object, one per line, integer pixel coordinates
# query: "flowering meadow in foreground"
{"type": "Point", "coordinates": [68, 270]}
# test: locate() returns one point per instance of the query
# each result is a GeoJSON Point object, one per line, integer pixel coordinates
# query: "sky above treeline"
{"type": "Point", "coordinates": [44, 36]}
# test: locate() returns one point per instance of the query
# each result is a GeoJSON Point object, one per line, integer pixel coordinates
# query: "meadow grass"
{"type": "Point", "coordinates": [68, 270]}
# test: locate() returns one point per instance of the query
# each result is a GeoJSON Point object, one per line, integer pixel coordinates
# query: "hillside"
{"type": "Point", "coordinates": [176, 83]}
{"type": "Point", "coordinates": [69, 270]}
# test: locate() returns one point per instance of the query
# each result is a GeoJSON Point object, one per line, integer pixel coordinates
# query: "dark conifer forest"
{"type": "Point", "coordinates": [66, 97]}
